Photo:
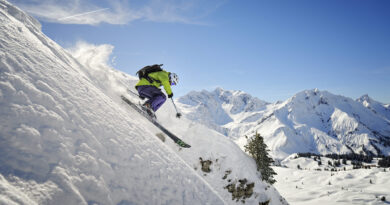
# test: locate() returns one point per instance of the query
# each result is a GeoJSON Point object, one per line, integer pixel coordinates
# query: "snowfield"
{"type": "Point", "coordinates": [308, 186]}
{"type": "Point", "coordinates": [67, 137]}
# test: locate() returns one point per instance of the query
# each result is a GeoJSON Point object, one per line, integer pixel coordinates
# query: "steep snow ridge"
{"type": "Point", "coordinates": [58, 128]}
{"type": "Point", "coordinates": [28, 21]}
{"type": "Point", "coordinates": [342, 123]}
{"type": "Point", "coordinates": [376, 107]}
{"type": "Point", "coordinates": [312, 121]}
{"type": "Point", "coordinates": [67, 138]}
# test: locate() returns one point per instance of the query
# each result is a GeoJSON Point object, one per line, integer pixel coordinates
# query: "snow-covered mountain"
{"type": "Point", "coordinates": [220, 107]}
{"type": "Point", "coordinates": [311, 121]}
{"type": "Point", "coordinates": [375, 106]}
{"type": "Point", "coordinates": [66, 137]}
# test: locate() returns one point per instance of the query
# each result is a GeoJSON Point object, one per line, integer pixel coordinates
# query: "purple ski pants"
{"type": "Point", "coordinates": [155, 97]}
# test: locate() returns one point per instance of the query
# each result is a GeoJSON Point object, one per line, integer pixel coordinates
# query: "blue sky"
{"type": "Point", "coordinates": [271, 49]}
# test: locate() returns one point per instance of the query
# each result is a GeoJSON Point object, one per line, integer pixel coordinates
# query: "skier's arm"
{"type": "Point", "coordinates": [164, 78]}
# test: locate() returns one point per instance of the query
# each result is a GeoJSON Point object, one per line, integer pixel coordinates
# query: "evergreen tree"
{"type": "Point", "coordinates": [330, 163]}
{"type": "Point", "coordinates": [337, 163]}
{"type": "Point", "coordinates": [319, 163]}
{"type": "Point", "coordinates": [258, 150]}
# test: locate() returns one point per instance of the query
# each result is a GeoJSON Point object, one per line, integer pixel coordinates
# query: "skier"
{"type": "Point", "coordinates": [151, 79]}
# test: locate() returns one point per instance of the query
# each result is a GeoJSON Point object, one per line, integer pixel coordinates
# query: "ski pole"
{"type": "Point", "coordinates": [178, 115]}
{"type": "Point", "coordinates": [132, 92]}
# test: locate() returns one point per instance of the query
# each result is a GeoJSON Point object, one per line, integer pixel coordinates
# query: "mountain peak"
{"type": "Point", "coordinates": [219, 107]}
{"type": "Point", "coordinates": [364, 97]}
{"type": "Point", "coordinates": [219, 90]}
{"type": "Point", "coordinates": [239, 101]}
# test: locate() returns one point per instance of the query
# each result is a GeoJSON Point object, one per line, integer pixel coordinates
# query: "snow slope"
{"type": "Point", "coordinates": [67, 138]}
{"type": "Point", "coordinates": [310, 186]}
{"type": "Point", "coordinates": [311, 121]}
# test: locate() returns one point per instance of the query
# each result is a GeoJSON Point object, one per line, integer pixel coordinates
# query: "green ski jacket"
{"type": "Point", "coordinates": [160, 78]}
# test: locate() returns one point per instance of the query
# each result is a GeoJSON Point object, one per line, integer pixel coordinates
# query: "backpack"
{"type": "Point", "coordinates": [144, 72]}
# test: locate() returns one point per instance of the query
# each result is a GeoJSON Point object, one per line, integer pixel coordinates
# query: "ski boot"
{"type": "Point", "coordinates": [147, 108]}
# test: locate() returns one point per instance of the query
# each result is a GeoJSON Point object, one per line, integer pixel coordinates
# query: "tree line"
{"type": "Point", "coordinates": [384, 162]}
{"type": "Point", "coordinates": [350, 156]}
{"type": "Point", "coordinates": [356, 159]}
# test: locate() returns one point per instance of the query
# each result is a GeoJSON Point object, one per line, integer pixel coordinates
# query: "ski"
{"type": "Point", "coordinates": [177, 140]}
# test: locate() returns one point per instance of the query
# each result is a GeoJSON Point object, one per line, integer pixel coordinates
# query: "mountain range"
{"type": "Point", "coordinates": [310, 121]}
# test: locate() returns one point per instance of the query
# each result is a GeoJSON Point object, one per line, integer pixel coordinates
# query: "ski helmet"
{"type": "Point", "coordinates": [173, 78]}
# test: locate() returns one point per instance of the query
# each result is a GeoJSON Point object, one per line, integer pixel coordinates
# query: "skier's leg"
{"type": "Point", "coordinates": [155, 97]}
{"type": "Point", "coordinates": [145, 91]}
{"type": "Point", "coordinates": [158, 100]}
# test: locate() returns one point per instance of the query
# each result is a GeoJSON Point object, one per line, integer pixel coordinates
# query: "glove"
{"type": "Point", "coordinates": [170, 95]}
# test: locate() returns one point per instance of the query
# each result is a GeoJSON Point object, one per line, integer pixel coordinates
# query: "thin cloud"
{"type": "Point", "coordinates": [119, 11]}
{"type": "Point", "coordinates": [82, 14]}
{"type": "Point", "coordinates": [59, 12]}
